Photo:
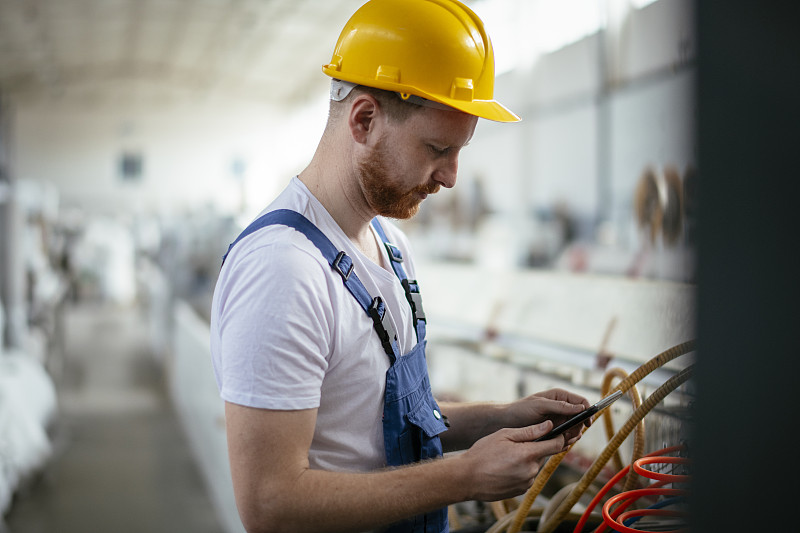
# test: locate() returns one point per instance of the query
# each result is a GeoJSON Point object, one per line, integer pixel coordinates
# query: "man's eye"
{"type": "Point", "coordinates": [436, 150]}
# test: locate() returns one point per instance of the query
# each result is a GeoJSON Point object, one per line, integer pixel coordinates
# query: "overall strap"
{"type": "Point", "coordinates": [410, 286]}
{"type": "Point", "coordinates": [341, 263]}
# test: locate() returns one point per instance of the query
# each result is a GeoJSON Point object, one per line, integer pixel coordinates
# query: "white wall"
{"type": "Point", "coordinates": [594, 113]}
{"type": "Point", "coordinates": [188, 154]}
{"type": "Point", "coordinates": [202, 414]}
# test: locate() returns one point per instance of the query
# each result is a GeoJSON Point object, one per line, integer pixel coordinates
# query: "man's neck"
{"type": "Point", "coordinates": [336, 188]}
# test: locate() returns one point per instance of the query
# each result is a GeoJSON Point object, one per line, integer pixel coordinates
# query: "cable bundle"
{"type": "Point", "coordinates": [512, 523]}
{"type": "Point", "coordinates": [617, 519]}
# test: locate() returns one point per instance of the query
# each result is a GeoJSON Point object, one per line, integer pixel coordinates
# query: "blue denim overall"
{"type": "Point", "coordinates": [412, 420]}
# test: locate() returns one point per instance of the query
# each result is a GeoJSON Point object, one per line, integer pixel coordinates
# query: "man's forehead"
{"type": "Point", "coordinates": [453, 126]}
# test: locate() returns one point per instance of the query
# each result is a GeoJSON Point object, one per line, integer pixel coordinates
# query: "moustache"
{"type": "Point", "coordinates": [430, 188]}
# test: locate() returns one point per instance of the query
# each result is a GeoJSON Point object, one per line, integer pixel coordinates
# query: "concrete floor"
{"type": "Point", "coordinates": [121, 463]}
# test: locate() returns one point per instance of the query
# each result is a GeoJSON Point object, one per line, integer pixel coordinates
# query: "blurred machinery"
{"type": "Point", "coordinates": [33, 293]}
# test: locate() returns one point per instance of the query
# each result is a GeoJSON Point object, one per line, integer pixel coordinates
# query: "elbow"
{"type": "Point", "coordinates": [261, 524]}
{"type": "Point", "coordinates": [254, 523]}
{"type": "Point", "coordinates": [265, 514]}
{"type": "Point", "coordinates": [262, 521]}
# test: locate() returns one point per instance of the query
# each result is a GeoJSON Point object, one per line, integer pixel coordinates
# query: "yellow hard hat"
{"type": "Point", "coordinates": [434, 49]}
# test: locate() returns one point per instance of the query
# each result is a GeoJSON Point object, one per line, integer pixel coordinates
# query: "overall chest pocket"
{"type": "Point", "coordinates": [420, 439]}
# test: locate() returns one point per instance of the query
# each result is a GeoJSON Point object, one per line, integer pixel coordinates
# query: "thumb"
{"type": "Point", "coordinates": [529, 433]}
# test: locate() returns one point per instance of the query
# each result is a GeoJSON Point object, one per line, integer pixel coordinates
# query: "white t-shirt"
{"type": "Point", "coordinates": [287, 334]}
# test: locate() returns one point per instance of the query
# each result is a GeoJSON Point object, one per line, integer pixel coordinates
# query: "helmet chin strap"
{"type": "Point", "coordinates": [340, 89]}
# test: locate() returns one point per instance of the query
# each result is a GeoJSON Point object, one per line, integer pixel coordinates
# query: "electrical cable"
{"type": "Point", "coordinates": [608, 423]}
{"type": "Point", "coordinates": [627, 498]}
{"type": "Point", "coordinates": [661, 479]}
{"type": "Point", "coordinates": [638, 438]}
{"type": "Point", "coordinates": [556, 499]}
{"type": "Point", "coordinates": [502, 524]}
{"type": "Point", "coordinates": [554, 461]}
{"type": "Point", "coordinates": [619, 510]}
{"type": "Point", "coordinates": [589, 476]}
{"type": "Point", "coordinates": [629, 520]}
{"type": "Point", "coordinates": [638, 467]}
{"type": "Point", "coordinates": [613, 481]}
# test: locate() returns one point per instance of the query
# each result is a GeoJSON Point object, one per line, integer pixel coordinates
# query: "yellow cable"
{"type": "Point", "coordinates": [553, 462]}
{"type": "Point", "coordinates": [608, 422]}
{"type": "Point", "coordinates": [502, 524]}
{"type": "Point", "coordinates": [638, 438]}
{"type": "Point", "coordinates": [538, 484]}
{"type": "Point", "coordinates": [498, 509]}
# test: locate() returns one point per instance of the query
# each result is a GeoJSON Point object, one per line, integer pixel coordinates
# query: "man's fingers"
{"type": "Point", "coordinates": [564, 396]}
{"type": "Point", "coordinates": [530, 433]}
{"type": "Point", "coordinates": [567, 408]}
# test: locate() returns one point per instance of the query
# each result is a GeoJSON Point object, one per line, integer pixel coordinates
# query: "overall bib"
{"type": "Point", "coordinates": [412, 420]}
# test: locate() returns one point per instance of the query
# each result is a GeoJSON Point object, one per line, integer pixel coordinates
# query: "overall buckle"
{"type": "Point", "coordinates": [394, 252]}
{"type": "Point", "coordinates": [383, 326]}
{"type": "Point", "coordinates": [414, 299]}
{"type": "Point", "coordinates": [348, 265]}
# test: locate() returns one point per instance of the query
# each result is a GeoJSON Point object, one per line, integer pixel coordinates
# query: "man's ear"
{"type": "Point", "coordinates": [362, 118]}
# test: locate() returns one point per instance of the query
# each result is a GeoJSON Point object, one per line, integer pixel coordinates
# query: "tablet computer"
{"type": "Point", "coordinates": [582, 416]}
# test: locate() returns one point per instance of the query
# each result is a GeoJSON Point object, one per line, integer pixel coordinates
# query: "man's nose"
{"type": "Point", "coordinates": [447, 173]}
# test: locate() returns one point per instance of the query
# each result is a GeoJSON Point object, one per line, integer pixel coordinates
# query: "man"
{"type": "Point", "coordinates": [317, 321]}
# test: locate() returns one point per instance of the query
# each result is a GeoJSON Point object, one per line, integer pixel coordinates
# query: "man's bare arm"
{"type": "Point", "coordinates": [472, 421]}
{"type": "Point", "coordinates": [277, 491]}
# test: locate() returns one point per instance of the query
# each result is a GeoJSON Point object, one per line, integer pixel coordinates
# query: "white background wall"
{"type": "Point", "coordinates": [188, 154]}
{"type": "Point", "coordinates": [588, 130]}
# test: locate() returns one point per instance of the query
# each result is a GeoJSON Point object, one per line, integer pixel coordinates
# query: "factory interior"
{"type": "Point", "coordinates": [631, 232]}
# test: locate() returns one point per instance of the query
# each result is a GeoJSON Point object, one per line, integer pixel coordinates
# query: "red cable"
{"type": "Point", "coordinates": [625, 505]}
{"type": "Point", "coordinates": [618, 517]}
{"type": "Point", "coordinates": [628, 498]}
{"type": "Point", "coordinates": [648, 512]}
{"type": "Point", "coordinates": [613, 481]}
{"type": "Point", "coordinates": [672, 478]}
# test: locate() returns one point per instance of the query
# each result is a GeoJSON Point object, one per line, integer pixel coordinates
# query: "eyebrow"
{"type": "Point", "coordinates": [447, 145]}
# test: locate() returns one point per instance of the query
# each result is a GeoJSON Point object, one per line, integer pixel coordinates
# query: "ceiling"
{"type": "Point", "coordinates": [163, 52]}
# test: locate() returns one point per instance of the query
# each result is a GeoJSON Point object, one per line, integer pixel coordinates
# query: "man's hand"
{"type": "Point", "coordinates": [556, 405]}
{"type": "Point", "coordinates": [505, 463]}
{"type": "Point", "coordinates": [470, 422]}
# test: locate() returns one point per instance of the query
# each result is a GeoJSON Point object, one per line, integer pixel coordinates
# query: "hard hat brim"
{"type": "Point", "coordinates": [488, 109]}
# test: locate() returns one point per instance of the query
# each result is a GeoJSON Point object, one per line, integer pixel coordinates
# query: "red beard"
{"type": "Point", "coordinates": [384, 197]}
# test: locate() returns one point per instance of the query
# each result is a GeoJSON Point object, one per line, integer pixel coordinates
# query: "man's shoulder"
{"type": "Point", "coordinates": [277, 246]}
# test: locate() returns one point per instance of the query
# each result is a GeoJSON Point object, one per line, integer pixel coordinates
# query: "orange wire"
{"type": "Point", "coordinates": [672, 478]}
{"type": "Point", "coordinates": [627, 498]}
{"type": "Point", "coordinates": [613, 481]}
